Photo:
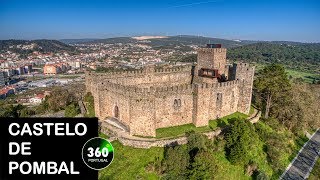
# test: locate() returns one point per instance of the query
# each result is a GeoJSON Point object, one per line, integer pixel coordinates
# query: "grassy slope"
{"type": "Point", "coordinates": [315, 173]}
{"type": "Point", "coordinates": [181, 130]}
{"type": "Point", "coordinates": [226, 120]}
{"type": "Point", "coordinates": [130, 163]}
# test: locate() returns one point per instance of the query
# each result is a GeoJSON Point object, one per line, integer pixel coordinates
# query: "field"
{"type": "Point", "coordinates": [306, 76]}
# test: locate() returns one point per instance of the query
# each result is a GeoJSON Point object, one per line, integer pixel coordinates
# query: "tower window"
{"type": "Point", "coordinates": [177, 104]}
{"type": "Point", "coordinates": [219, 100]}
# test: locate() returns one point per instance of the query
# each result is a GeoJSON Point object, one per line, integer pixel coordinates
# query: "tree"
{"type": "Point", "coordinates": [276, 150]}
{"type": "Point", "coordinates": [59, 99]}
{"type": "Point", "coordinates": [261, 176]}
{"type": "Point", "coordinates": [204, 166]}
{"type": "Point", "coordinates": [89, 103]}
{"type": "Point", "coordinates": [72, 110]}
{"type": "Point", "coordinates": [26, 112]}
{"type": "Point", "coordinates": [288, 112]}
{"type": "Point", "coordinates": [240, 139]}
{"type": "Point", "coordinates": [196, 142]}
{"type": "Point", "coordinates": [271, 84]}
{"type": "Point", "coordinates": [9, 110]}
{"type": "Point", "coordinates": [176, 162]}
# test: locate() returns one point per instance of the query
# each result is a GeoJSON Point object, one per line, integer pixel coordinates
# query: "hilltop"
{"type": "Point", "coordinates": [29, 46]}
{"type": "Point", "coordinates": [162, 41]}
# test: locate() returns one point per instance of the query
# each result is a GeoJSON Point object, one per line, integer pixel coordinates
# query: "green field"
{"type": "Point", "coordinates": [306, 76]}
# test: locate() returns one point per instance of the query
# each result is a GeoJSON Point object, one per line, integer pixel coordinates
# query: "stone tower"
{"type": "Point", "coordinates": [212, 57]}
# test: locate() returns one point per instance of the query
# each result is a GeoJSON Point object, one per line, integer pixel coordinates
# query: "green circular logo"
{"type": "Point", "coordinates": [97, 153]}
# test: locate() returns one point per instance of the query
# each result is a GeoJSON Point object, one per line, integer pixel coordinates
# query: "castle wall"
{"type": "Point", "coordinates": [155, 79]}
{"type": "Point", "coordinates": [212, 101]}
{"type": "Point", "coordinates": [227, 102]}
{"type": "Point", "coordinates": [112, 102]}
{"type": "Point", "coordinates": [173, 106]}
{"type": "Point", "coordinates": [142, 117]}
{"type": "Point", "coordinates": [144, 78]}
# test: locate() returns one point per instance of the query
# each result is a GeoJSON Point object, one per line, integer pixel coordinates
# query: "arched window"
{"type": "Point", "coordinates": [219, 100]}
{"type": "Point", "coordinates": [116, 112]}
{"type": "Point", "coordinates": [177, 104]}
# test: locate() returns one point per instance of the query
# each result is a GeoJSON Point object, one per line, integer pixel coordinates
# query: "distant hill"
{"type": "Point", "coordinates": [295, 55]}
{"type": "Point", "coordinates": [41, 45]}
{"type": "Point", "coordinates": [166, 42]}
{"type": "Point", "coordinates": [175, 40]}
{"type": "Point", "coordinates": [75, 41]}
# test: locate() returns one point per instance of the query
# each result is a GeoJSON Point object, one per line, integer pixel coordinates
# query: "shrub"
{"type": "Point", "coordinates": [176, 162]}
{"type": "Point", "coordinates": [72, 110]}
{"type": "Point", "coordinates": [240, 139]}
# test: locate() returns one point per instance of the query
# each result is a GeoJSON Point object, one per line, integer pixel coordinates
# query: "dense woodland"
{"type": "Point", "coordinates": [304, 57]}
{"type": "Point", "coordinates": [301, 57]}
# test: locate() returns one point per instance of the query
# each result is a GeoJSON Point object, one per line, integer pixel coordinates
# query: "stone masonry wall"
{"type": "Point", "coordinates": [212, 101]}
{"type": "Point", "coordinates": [173, 107]}
{"type": "Point", "coordinates": [212, 58]}
{"type": "Point", "coordinates": [245, 73]}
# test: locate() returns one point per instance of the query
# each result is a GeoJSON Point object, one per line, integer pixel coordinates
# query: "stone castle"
{"type": "Point", "coordinates": [156, 97]}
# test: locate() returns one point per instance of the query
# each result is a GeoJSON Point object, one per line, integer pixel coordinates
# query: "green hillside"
{"type": "Point", "coordinates": [41, 45]}
{"type": "Point", "coordinates": [301, 56]}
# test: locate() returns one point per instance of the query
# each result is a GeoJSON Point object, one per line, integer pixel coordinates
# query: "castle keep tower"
{"type": "Point", "coordinates": [213, 57]}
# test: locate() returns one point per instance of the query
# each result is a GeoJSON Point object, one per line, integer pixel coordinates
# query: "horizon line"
{"type": "Point", "coordinates": [127, 36]}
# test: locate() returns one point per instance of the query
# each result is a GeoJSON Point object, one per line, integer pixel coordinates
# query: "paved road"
{"type": "Point", "coordinates": [303, 163]}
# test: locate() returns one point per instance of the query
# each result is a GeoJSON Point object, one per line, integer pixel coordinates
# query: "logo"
{"type": "Point", "coordinates": [97, 153]}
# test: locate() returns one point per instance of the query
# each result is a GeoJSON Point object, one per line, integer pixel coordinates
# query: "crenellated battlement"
{"type": "Point", "coordinates": [139, 72]}
{"type": "Point", "coordinates": [173, 69]}
{"type": "Point", "coordinates": [212, 50]}
{"type": "Point", "coordinates": [242, 65]}
{"type": "Point", "coordinates": [134, 90]}
{"type": "Point", "coordinates": [112, 73]}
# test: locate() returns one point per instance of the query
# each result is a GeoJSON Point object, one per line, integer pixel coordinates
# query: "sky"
{"type": "Point", "coordinates": [274, 20]}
